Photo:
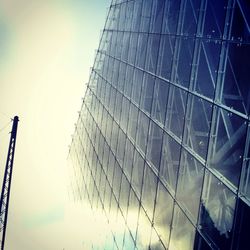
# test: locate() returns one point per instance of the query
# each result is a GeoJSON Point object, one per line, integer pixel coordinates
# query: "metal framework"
{"type": "Point", "coordinates": [5, 194]}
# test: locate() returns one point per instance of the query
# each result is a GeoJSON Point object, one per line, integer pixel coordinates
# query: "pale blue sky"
{"type": "Point", "coordinates": [46, 50]}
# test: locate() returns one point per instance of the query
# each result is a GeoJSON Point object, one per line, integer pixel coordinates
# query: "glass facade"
{"type": "Point", "coordinates": [161, 146]}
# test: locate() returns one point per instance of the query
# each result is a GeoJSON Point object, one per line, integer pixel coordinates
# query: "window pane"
{"type": "Point", "coordinates": [128, 158]}
{"type": "Point", "coordinates": [191, 13]}
{"type": "Point", "coordinates": [227, 145]}
{"type": "Point", "coordinates": [142, 132]}
{"type": "Point", "coordinates": [236, 91]}
{"type": "Point", "coordinates": [197, 126]}
{"type": "Point", "coordinates": [152, 52]}
{"type": "Point", "coordinates": [137, 85]}
{"type": "Point", "coordinates": [240, 28]}
{"type": "Point", "coordinates": [133, 211]}
{"type": "Point", "coordinates": [241, 240]}
{"type": "Point", "coordinates": [156, 16]}
{"type": "Point", "coordinates": [189, 185]}
{"type": "Point", "coordinates": [217, 212]}
{"type": "Point", "coordinates": [137, 175]}
{"type": "Point", "coordinates": [170, 161]}
{"type": "Point", "coordinates": [208, 63]}
{"type": "Point", "coordinates": [133, 115]}
{"type": "Point", "coordinates": [163, 213]}
{"type": "Point", "coordinates": [170, 16]}
{"type": "Point", "coordinates": [154, 144]}
{"type": "Point", "coordinates": [184, 55]}
{"type": "Point", "coordinates": [176, 109]}
{"type": "Point", "coordinates": [165, 58]}
{"type": "Point", "coordinates": [149, 191]}
{"type": "Point", "coordinates": [215, 18]}
{"type": "Point", "coordinates": [183, 232]}
{"type": "Point", "coordinates": [147, 93]}
{"type": "Point", "coordinates": [160, 100]}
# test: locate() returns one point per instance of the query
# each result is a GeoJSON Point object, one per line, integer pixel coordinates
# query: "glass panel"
{"type": "Point", "coordinates": [137, 15]}
{"type": "Point", "coordinates": [121, 77]}
{"type": "Point", "coordinates": [118, 107]}
{"type": "Point", "coordinates": [227, 145]}
{"type": "Point", "coordinates": [183, 232]}
{"type": "Point", "coordinates": [191, 14]}
{"type": "Point", "coordinates": [154, 144]}
{"type": "Point", "coordinates": [176, 109]}
{"type": "Point", "coordinates": [147, 93]}
{"type": "Point", "coordinates": [133, 115]}
{"type": "Point", "coordinates": [142, 132]}
{"type": "Point", "coordinates": [170, 161]}
{"type": "Point", "coordinates": [120, 146]}
{"type": "Point", "coordinates": [107, 197]}
{"type": "Point", "coordinates": [189, 185]}
{"type": "Point", "coordinates": [156, 16]}
{"type": "Point", "coordinates": [200, 243]}
{"type": "Point", "coordinates": [149, 191]}
{"type": "Point", "coordinates": [215, 18]}
{"type": "Point", "coordinates": [146, 14]}
{"type": "Point", "coordinates": [156, 243]}
{"type": "Point", "coordinates": [124, 194]}
{"type": "Point", "coordinates": [107, 95]}
{"type": "Point", "coordinates": [128, 158]}
{"type": "Point", "coordinates": [207, 68]}
{"type": "Point", "coordinates": [170, 16]}
{"type": "Point", "coordinates": [128, 240]}
{"type": "Point", "coordinates": [137, 85]}
{"type": "Point", "coordinates": [163, 213]}
{"type": "Point", "coordinates": [132, 48]}
{"type": "Point", "coordinates": [125, 47]}
{"type": "Point", "coordinates": [111, 167]}
{"type": "Point", "coordinates": [137, 174]}
{"type": "Point", "coordinates": [114, 137]}
{"type": "Point", "coordinates": [144, 231]}
{"type": "Point", "coordinates": [165, 57]}
{"type": "Point", "coordinates": [129, 81]}
{"type": "Point", "coordinates": [152, 52]}
{"type": "Point", "coordinates": [117, 180]}
{"type": "Point", "coordinates": [236, 91]}
{"type": "Point", "coordinates": [197, 126]}
{"type": "Point", "coordinates": [119, 45]}
{"type": "Point", "coordinates": [245, 179]}
{"type": "Point", "coordinates": [160, 100]}
{"type": "Point", "coordinates": [217, 212]}
{"type": "Point", "coordinates": [124, 114]}
{"type": "Point", "coordinates": [141, 50]}
{"type": "Point", "coordinates": [184, 55]}
{"type": "Point", "coordinates": [129, 15]}
{"type": "Point", "coordinates": [109, 129]}
{"type": "Point", "coordinates": [241, 21]}
{"type": "Point", "coordinates": [133, 211]}
{"type": "Point", "coordinates": [241, 240]}
{"type": "Point", "coordinates": [112, 101]}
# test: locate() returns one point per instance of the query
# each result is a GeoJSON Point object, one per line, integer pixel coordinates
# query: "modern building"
{"type": "Point", "coordinates": [161, 146]}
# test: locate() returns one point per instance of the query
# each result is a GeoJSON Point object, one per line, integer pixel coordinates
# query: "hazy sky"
{"type": "Point", "coordinates": [46, 50]}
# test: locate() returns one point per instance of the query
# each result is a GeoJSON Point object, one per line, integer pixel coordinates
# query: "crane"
{"type": "Point", "coordinates": [5, 193]}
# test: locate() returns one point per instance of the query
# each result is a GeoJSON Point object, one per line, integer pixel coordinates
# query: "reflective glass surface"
{"type": "Point", "coordinates": [160, 152]}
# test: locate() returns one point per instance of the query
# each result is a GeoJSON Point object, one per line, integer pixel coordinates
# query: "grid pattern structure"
{"type": "Point", "coordinates": [161, 145]}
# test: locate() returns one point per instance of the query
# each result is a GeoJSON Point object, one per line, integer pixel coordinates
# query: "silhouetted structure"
{"type": "Point", "coordinates": [5, 193]}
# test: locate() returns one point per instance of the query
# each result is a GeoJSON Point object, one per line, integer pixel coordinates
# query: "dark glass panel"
{"type": "Point", "coordinates": [217, 212]}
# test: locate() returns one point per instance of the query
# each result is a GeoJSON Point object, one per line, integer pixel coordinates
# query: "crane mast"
{"type": "Point", "coordinates": [5, 193]}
